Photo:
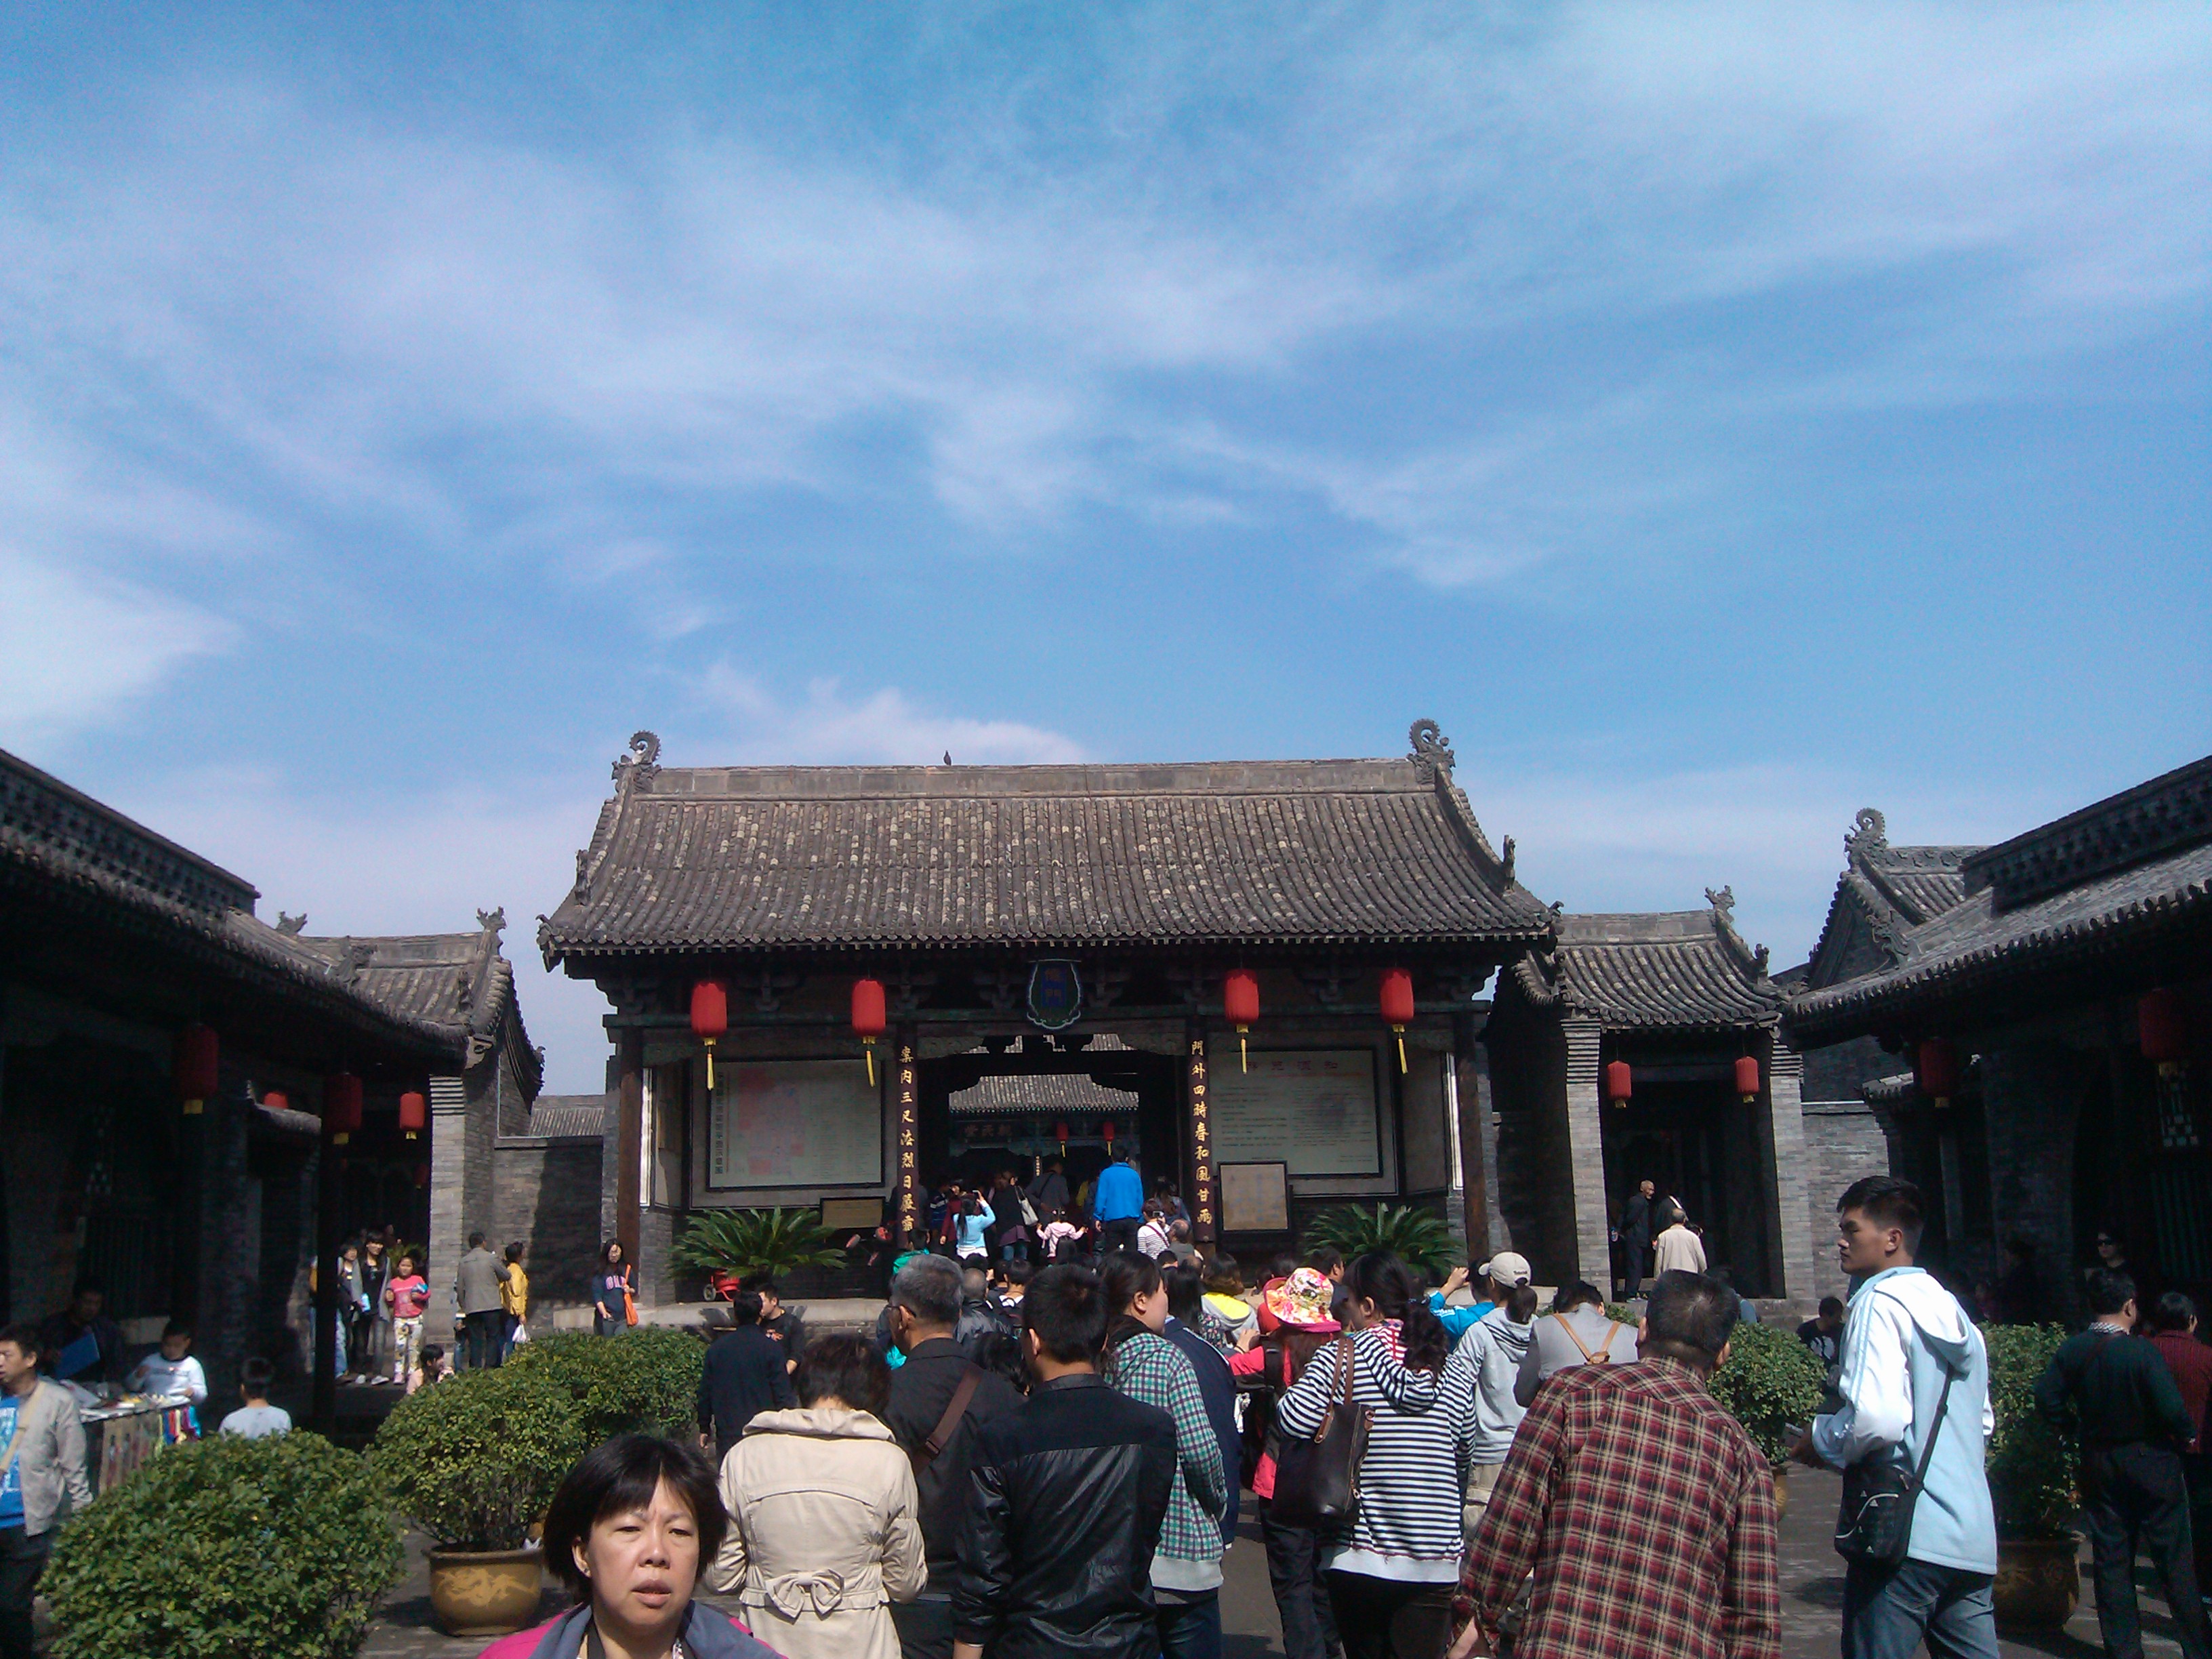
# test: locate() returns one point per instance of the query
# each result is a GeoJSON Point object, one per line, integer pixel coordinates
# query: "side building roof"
{"type": "Point", "coordinates": [461, 983]}
{"type": "Point", "coordinates": [2109, 898]}
{"type": "Point", "coordinates": [835, 858]}
{"type": "Point", "coordinates": [1661, 971]}
{"type": "Point", "coordinates": [1882, 893]}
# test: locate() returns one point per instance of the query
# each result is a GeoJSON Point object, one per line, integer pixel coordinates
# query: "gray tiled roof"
{"type": "Point", "coordinates": [1066, 1093]}
{"type": "Point", "coordinates": [1664, 970]}
{"type": "Point", "coordinates": [59, 846]}
{"type": "Point", "coordinates": [461, 983]}
{"type": "Point", "coordinates": [2141, 887]}
{"type": "Point", "coordinates": [1883, 891]}
{"type": "Point", "coordinates": [571, 1115]}
{"type": "Point", "coordinates": [836, 857]}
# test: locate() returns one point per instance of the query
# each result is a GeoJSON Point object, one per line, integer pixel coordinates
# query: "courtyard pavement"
{"type": "Point", "coordinates": [1812, 1599]}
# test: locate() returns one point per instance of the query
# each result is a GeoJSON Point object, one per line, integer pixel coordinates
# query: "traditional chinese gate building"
{"type": "Point", "coordinates": [1053, 944]}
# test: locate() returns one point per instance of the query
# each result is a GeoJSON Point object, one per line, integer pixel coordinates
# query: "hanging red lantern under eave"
{"type": "Point", "coordinates": [341, 1107]}
{"type": "Point", "coordinates": [1398, 1006]}
{"type": "Point", "coordinates": [1620, 1083]}
{"type": "Point", "coordinates": [1059, 1133]}
{"type": "Point", "coordinates": [868, 1019]}
{"type": "Point", "coordinates": [196, 1066]}
{"type": "Point", "coordinates": [414, 1113]}
{"type": "Point", "coordinates": [710, 1019]}
{"type": "Point", "coordinates": [1935, 1070]}
{"type": "Point", "coordinates": [1240, 1006]}
{"type": "Point", "coordinates": [2162, 1026]}
{"type": "Point", "coordinates": [1747, 1079]}
{"type": "Point", "coordinates": [1106, 1133]}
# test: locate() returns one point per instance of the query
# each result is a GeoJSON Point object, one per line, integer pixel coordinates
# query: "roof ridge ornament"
{"type": "Point", "coordinates": [290, 925]}
{"type": "Point", "coordinates": [1431, 749]}
{"type": "Point", "coordinates": [1723, 903]}
{"type": "Point", "coordinates": [643, 761]}
{"type": "Point", "coordinates": [1869, 833]}
{"type": "Point", "coordinates": [493, 921]}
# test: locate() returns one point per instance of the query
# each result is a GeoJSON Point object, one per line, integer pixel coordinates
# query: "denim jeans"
{"type": "Point", "coordinates": [1390, 1618]}
{"type": "Point", "coordinates": [1886, 1614]}
{"type": "Point", "coordinates": [482, 1333]}
{"type": "Point", "coordinates": [1301, 1597]}
{"type": "Point", "coordinates": [1188, 1623]}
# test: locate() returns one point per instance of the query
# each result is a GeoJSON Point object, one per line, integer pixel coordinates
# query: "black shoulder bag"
{"type": "Point", "coordinates": [1875, 1524]}
{"type": "Point", "coordinates": [1317, 1480]}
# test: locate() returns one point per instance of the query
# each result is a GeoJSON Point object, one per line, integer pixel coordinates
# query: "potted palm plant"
{"type": "Point", "coordinates": [2031, 1468]}
{"type": "Point", "coordinates": [474, 1461]}
{"type": "Point", "coordinates": [730, 1245]}
{"type": "Point", "coordinates": [1415, 1237]}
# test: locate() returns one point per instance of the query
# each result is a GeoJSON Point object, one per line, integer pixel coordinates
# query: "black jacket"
{"type": "Point", "coordinates": [1636, 1220]}
{"type": "Point", "coordinates": [1047, 1192]}
{"type": "Point", "coordinates": [1218, 1384]}
{"type": "Point", "coordinates": [744, 1376]}
{"type": "Point", "coordinates": [920, 1390]}
{"type": "Point", "coordinates": [1067, 1496]}
{"type": "Point", "coordinates": [987, 1317]}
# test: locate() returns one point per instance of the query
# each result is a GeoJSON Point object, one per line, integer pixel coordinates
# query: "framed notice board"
{"type": "Point", "coordinates": [1255, 1197]}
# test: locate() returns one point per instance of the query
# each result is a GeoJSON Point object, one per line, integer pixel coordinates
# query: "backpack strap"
{"type": "Point", "coordinates": [947, 1425]}
{"type": "Point", "coordinates": [1603, 1353]}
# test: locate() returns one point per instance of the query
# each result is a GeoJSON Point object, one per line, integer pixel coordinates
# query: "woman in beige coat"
{"type": "Point", "coordinates": [823, 1533]}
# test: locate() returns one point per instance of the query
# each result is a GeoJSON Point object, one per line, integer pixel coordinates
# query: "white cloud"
{"type": "Point", "coordinates": [76, 648]}
{"type": "Point", "coordinates": [827, 728]}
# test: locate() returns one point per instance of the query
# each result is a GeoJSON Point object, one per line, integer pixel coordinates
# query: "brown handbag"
{"type": "Point", "coordinates": [1317, 1480]}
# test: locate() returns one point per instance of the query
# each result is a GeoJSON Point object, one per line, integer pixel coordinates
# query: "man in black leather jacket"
{"type": "Point", "coordinates": [1068, 1494]}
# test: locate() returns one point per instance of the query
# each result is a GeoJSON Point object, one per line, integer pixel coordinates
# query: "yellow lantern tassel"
{"type": "Point", "coordinates": [710, 1065]}
{"type": "Point", "coordinates": [1401, 1031]}
{"type": "Point", "coordinates": [868, 1048]}
{"type": "Point", "coordinates": [1244, 1059]}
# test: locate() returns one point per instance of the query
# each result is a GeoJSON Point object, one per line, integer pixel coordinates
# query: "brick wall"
{"type": "Point", "coordinates": [546, 1193]}
{"type": "Point", "coordinates": [1844, 1141]}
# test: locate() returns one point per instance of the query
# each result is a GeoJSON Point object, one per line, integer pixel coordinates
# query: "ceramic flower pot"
{"type": "Point", "coordinates": [485, 1592]}
{"type": "Point", "coordinates": [2038, 1585]}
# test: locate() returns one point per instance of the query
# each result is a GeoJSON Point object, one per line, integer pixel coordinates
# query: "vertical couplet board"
{"type": "Point", "coordinates": [909, 1150]}
{"type": "Point", "coordinates": [1202, 1143]}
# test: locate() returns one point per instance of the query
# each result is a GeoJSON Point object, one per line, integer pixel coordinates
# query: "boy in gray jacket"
{"type": "Point", "coordinates": [42, 1449]}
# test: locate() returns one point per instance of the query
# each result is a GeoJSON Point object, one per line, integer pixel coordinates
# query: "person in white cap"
{"type": "Point", "coordinates": [1485, 1364]}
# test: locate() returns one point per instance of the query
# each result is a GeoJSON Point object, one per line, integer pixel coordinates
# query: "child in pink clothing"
{"type": "Point", "coordinates": [407, 1295]}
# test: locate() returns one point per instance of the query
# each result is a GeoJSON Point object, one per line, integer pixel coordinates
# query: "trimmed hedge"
{"type": "Point", "coordinates": [275, 1548]}
{"type": "Point", "coordinates": [1770, 1379]}
{"type": "Point", "coordinates": [2031, 1466]}
{"type": "Point", "coordinates": [645, 1379]}
{"type": "Point", "coordinates": [475, 1459]}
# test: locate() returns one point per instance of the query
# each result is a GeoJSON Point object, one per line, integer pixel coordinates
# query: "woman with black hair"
{"type": "Point", "coordinates": [627, 1532]}
{"type": "Point", "coordinates": [1392, 1572]}
{"type": "Point", "coordinates": [824, 1532]}
{"type": "Point", "coordinates": [613, 1285]}
{"type": "Point", "coordinates": [1144, 1365]}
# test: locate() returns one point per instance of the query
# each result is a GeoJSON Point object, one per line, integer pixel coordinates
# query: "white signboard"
{"type": "Point", "coordinates": [1313, 1108]}
{"type": "Point", "coordinates": [793, 1123]}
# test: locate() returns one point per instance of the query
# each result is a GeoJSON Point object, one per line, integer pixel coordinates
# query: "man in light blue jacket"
{"type": "Point", "coordinates": [1903, 1335]}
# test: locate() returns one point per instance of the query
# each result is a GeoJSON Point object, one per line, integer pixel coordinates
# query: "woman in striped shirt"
{"type": "Point", "coordinates": [1391, 1573]}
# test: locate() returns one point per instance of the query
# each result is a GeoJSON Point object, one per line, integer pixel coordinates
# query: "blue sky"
{"type": "Point", "coordinates": [1718, 417]}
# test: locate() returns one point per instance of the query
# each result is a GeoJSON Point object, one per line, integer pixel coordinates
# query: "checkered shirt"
{"type": "Point", "coordinates": [1647, 1515]}
{"type": "Point", "coordinates": [1153, 1370]}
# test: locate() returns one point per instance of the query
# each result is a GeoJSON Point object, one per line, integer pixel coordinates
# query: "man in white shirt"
{"type": "Point", "coordinates": [257, 1418]}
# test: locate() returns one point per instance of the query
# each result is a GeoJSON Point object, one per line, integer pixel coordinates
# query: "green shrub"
{"type": "Point", "coordinates": [474, 1459]}
{"type": "Point", "coordinates": [644, 1379]}
{"type": "Point", "coordinates": [2031, 1466]}
{"type": "Point", "coordinates": [218, 1548]}
{"type": "Point", "coordinates": [749, 1242]}
{"type": "Point", "coordinates": [1414, 1236]}
{"type": "Point", "coordinates": [1770, 1379]}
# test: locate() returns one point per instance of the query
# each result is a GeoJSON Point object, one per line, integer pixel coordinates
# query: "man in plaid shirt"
{"type": "Point", "coordinates": [1644, 1510]}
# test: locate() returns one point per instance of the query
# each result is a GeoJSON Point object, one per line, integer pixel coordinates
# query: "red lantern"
{"type": "Point", "coordinates": [1240, 1006]}
{"type": "Point", "coordinates": [341, 1107]}
{"type": "Point", "coordinates": [710, 1019]}
{"type": "Point", "coordinates": [1398, 1006]}
{"type": "Point", "coordinates": [2162, 1025]}
{"type": "Point", "coordinates": [414, 1113]}
{"type": "Point", "coordinates": [1935, 1070]}
{"type": "Point", "coordinates": [195, 1065]}
{"type": "Point", "coordinates": [276, 1101]}
{"type": "Point", "coordinates": [1620, 1083]}
{"type": "Point", "coordinates": [868, 1019]}
{"type": "Point", "coordinates": [1059, 1133]}
{"type": "Point", "coordinates": [1106, 1132]}
{"type": "Point", "coordinates": [1747, 1077]}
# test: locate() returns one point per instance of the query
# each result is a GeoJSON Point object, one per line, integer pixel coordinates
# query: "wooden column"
{"type": "Point", "coordinates": [1201, 1139]}
{"type": "Point", "coordinates": [1472, 1138]}
{"type": "Point", "coordinates": [330, 1189]}
{"type": "Point", "coordinates": [908, 1100]}
{"type": "Point", "coordinates": [629, 1143]}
